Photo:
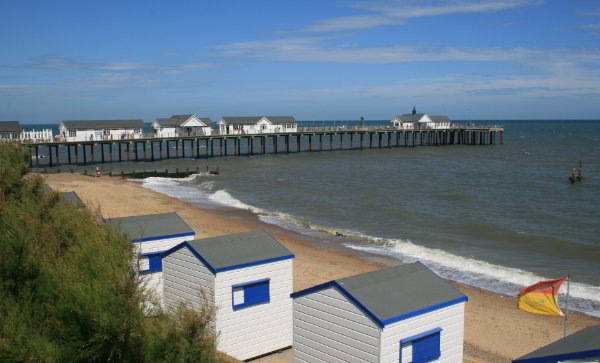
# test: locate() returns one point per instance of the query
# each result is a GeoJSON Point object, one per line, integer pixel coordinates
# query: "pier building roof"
{"type": "Point", "coordinates": [104, 124]}
{"type": "Point", "coordinates": [255, 119]}
{"type": "Point", "coordinates": [10, 126]}
{"type": "Point", "coordinates": [233, 251]}
{"type": "Point", "coordinates": [395, 293]}
{"type": "Point", "coordinates": [152, 226]}
{"type": "Point", "coordinates": [410, 117]}
{"type": "Point", "coordinates": [583, 344]}
{"type": "Point", "coordinates": [179, 120]}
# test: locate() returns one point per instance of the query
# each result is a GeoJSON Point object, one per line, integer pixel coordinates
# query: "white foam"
{"type": "Point", "coordinates": [224, 198]}
{"type": "Point", "coordinates": [586, 298]}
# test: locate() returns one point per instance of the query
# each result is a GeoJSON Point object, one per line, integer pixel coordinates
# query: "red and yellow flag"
{"type": "Point", "coordinates": [541, 298]}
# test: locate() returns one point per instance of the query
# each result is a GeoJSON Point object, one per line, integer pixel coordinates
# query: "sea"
{"type": "Point", "coordinates": [497, 217]}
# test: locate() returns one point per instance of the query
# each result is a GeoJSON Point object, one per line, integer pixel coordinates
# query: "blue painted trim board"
{"type": "Point", "coordinates": [559, 357]}
{"type": "Point", "coordinates": [371, 314]}
{"type": "Point", "coordinates": [213, 269]}
{"type": "Point", "coordinates": [146, 239]}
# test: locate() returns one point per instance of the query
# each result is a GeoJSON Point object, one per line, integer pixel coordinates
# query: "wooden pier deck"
{"type": "Point", "coordinates": [309, 140]}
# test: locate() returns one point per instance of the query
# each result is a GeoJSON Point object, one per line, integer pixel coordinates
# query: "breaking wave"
{"type": "Point", "coordinates": [506, 280]}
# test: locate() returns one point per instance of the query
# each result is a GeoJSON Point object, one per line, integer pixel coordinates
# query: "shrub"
{"type": "Point", "coordinates": [68, 289]}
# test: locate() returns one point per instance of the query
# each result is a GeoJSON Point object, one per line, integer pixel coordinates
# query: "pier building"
{"type": "Point", "coordinates": [414, 120]}
{"type": "Point", "coordinates": [95, 130]}
{"type": "Point", "coordinates": [398, 314]}
{"type": "Point", "coordinates": [12, 130]}
{"type": "Point", "coordinates": [257, 125]}
{"type": "Point", "coordinates": [182, 125]}
{"type": "Point", "coordinates": [248, 277]}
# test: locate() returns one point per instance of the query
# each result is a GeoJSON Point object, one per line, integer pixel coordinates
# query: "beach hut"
{"type": "Point", "coordinates": [398, 314]}
{"type": "Point", "coordinates": [583, 346]}
{"type": "Point", "coordinates": [248, 277]}
{"type": "Point", "coordinates": [152, 234]}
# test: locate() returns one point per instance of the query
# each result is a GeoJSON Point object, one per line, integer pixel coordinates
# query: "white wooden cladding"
{"type": "Point", "coordinates": [154, 280]}
{"type": "Point", "coordinates": [329, 328]}
{"type": "Point", "coordinates": [184, 276]}
{"type": "Point", "coordinates": [257, 329]}
{"type": "Point", "coordinates": [246, 332]}
{"type": "Point", "coordinates": [160, 245]}
{"type": "Point", "coordinates": [450, 319]}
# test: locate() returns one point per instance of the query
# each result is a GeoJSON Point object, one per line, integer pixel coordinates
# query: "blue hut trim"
{"type": "Point", "coordinates": [381, 322]}
{"type": "Point", "coordinates": [214, 269]}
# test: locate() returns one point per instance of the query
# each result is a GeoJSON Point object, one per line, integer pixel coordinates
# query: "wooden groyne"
{"type": "Point", "coordinates": [156, 149]}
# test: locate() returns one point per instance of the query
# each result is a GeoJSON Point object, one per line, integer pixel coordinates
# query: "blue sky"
{"type": "Point", "coordinates": [493, 59]}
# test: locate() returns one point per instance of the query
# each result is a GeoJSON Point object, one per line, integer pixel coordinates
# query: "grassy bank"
{"type": "Point", "coordinates": [68, 289]}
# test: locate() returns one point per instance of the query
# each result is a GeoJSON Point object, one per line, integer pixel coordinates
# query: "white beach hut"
{"type": "Point", "coordinates": [152, 234]}
{"type": "Point", "coordinates": [248, 276]}
{"type": "Point", "coordinates": [398, 314]}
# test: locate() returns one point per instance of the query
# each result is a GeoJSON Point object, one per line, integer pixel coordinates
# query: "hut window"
{"type": "Point", "coordinates": [151, 263]}
{"type": "Point", "coordinates": [250, 293]}
{"type": "Point", "coordinates": [425, 346]}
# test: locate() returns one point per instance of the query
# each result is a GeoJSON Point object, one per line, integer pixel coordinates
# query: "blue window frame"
{"type": "Point", "coordinates": [250, 293]}
{"type": "Point", "coordinates": [154, 262]}
{"type": "Point", "coordinates": [425, 346]}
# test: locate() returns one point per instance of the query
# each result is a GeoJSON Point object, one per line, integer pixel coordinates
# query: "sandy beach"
{"type": "Point", "coordinates": [495, 329]}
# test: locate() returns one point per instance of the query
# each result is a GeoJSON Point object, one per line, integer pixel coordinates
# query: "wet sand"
{"type": "Point", "coordinates": [495, 329]}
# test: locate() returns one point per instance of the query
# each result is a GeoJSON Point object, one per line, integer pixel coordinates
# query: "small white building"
{"type": "Point", "coordinates": [94, 130]}
{"type": "Point", "coordinates": [182, 125]}
{"type": "Point", "coordinates": [257, 125]}
{"type": "Point", "coordinates": [414, 120]}
{"type": "Point", "coordinates": [249, 278]}
{"type": "Point", "coordinates": [398, 314]}
{"type": "Point", "coordinates": [12, 130]}
{"type": "Point", "coordinates": [153, 234]}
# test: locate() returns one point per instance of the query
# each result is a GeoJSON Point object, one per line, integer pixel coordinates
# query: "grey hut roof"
{"type": "Point", "coordinates": [104, 124]}
{"type": "Point", "coordinates": [583, 344]}
{"type": "Point", "coordinates": [254, 119]}
{"type": "Point", "coordinates": [152, 226]}
{"type": "Point", "coordinates": [178, 120]}
{"type": "Point", "coordinates": [395, 293]}
{"type": "Point", "coordinates": [72, 198]}
{"type": "Point", "coordinates": [10, 126]}
{"type": "Point", "coordinates": [233, 251]}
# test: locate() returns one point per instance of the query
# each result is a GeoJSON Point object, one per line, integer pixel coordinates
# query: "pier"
{"type": "Point", "coordinates": [307, 140]}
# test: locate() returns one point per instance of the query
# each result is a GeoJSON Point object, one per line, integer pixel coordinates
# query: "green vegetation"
{"type": "Point", "coordinates": [68, 291]}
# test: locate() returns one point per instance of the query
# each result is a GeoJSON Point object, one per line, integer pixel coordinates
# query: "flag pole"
{"type": "Point", "coordinates": [567, 306]}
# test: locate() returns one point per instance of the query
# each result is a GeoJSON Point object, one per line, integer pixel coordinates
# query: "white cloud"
{"type": "Point", "coordinates": [393, 13]}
